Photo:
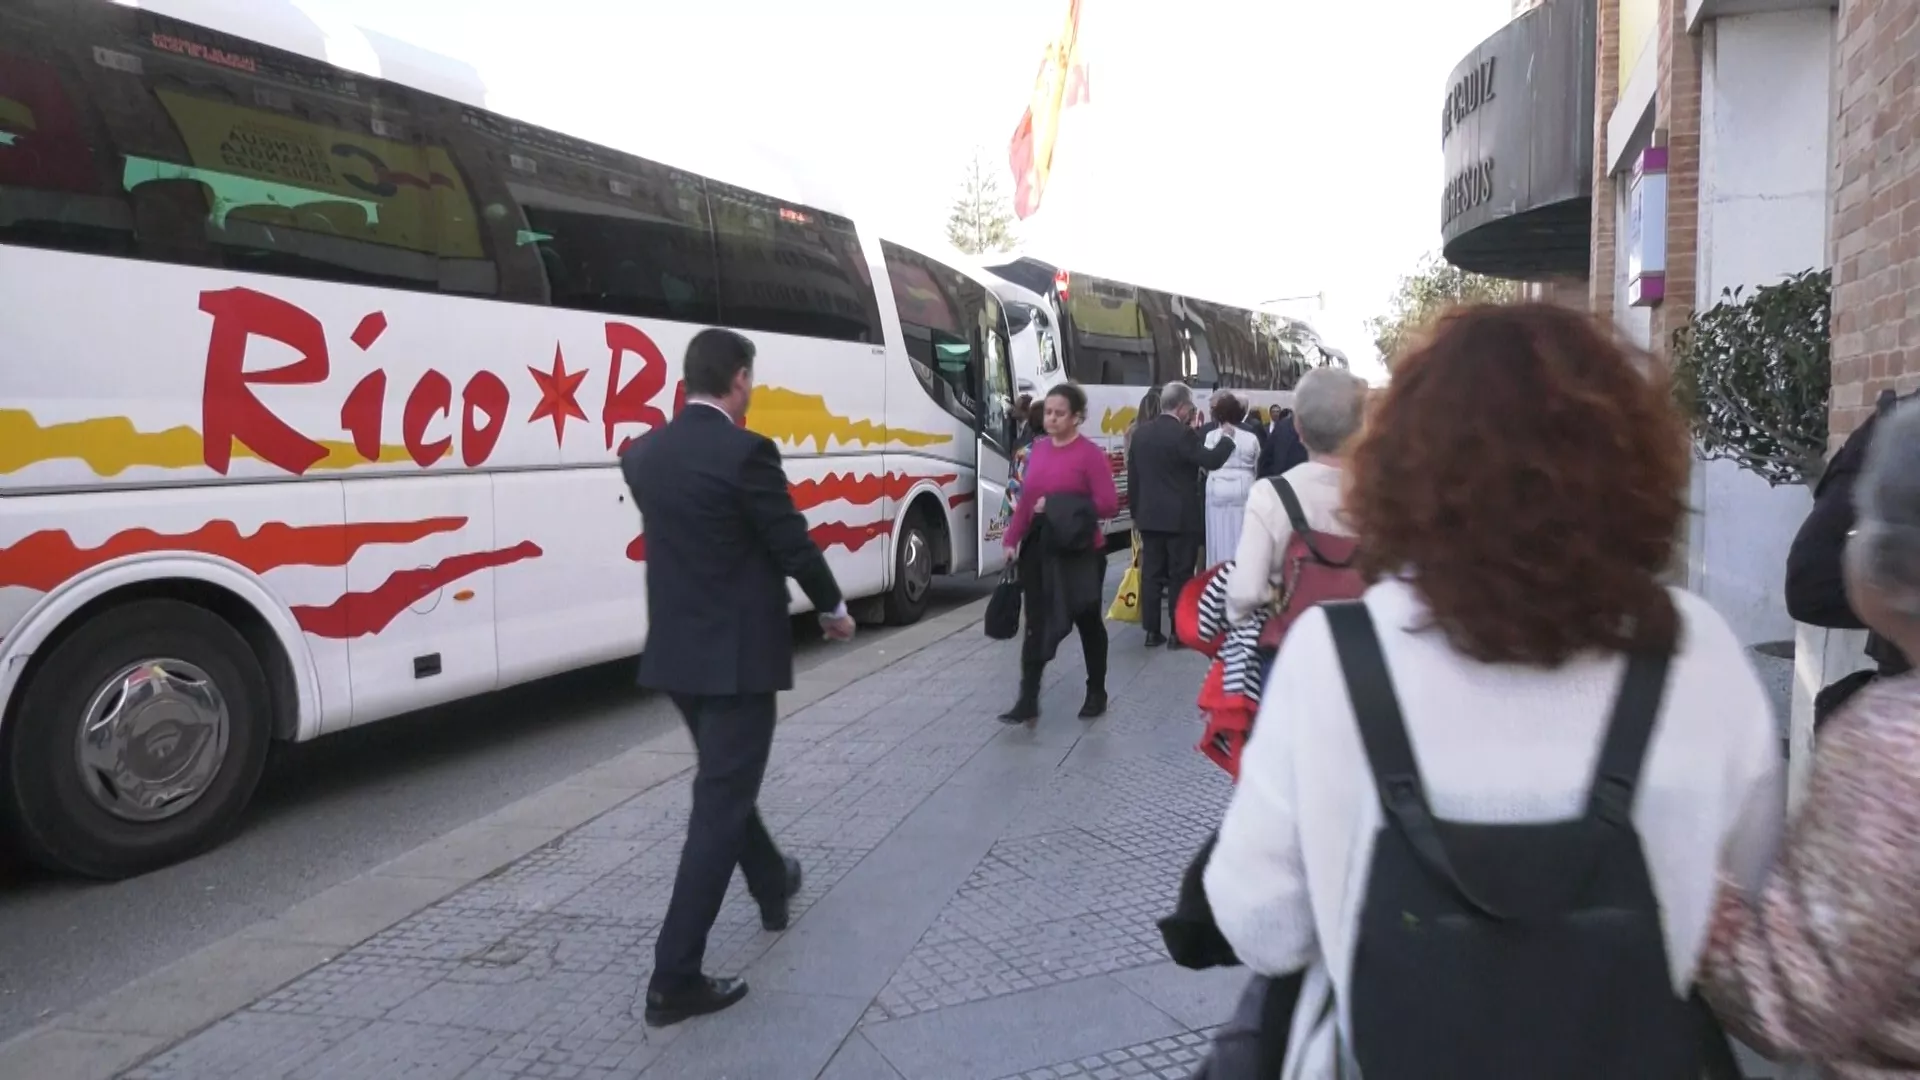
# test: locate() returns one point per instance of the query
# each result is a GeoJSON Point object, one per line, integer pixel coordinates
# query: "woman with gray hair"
{"type": "Point", "coordinates": [1817, 963]}
{"type": "Point", "coordinates": [1328, 406]}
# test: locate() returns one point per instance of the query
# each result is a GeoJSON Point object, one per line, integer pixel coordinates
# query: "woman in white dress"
{"type": "Point", "coordinates": [1229, 486]}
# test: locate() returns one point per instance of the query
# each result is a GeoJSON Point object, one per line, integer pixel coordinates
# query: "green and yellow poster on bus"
{"type": "Point", "coordinates": [1107, 308]}
{"type": "Point", "coordinates": [388, 192]}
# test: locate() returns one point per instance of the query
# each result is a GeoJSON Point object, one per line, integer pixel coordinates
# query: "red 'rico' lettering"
{"type": "Point", "coordinates": [228, 408]}
{"type": "Point", "coordinates": [632, 403]}
{"type": "Point", "coordinates": [362, 413]}
{"type": "Point", "coordinates": [485, 395]}
{"type": "Point", "coordinates": [432, 396]}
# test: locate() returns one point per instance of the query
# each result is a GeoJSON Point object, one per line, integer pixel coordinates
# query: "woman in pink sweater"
{"type": "Point", "coordinates": [1063, 462]}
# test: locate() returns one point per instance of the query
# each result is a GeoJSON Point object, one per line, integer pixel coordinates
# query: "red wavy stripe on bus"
{"type": "Point", "coordinates": [852, 537]}
{"type": "Point", "coordinates": [637, 548]}
{"type": "Point", "coordinates": [43, 560]}
{"type": "Point", "coordinates": [959, 500]}
{"type": "Point", "coordinates": [861, 490]}
{"type": "Point", "coordinates": [357, 614]}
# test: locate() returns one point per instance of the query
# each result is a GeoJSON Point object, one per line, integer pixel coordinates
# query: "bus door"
{"type": "Point", "coordinates": [995, 429]}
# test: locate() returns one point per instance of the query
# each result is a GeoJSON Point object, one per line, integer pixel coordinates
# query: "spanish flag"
{"type": "Point", "coordinates": [1060, 85]}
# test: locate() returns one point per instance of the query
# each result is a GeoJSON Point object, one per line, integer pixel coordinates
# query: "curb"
{"type": "Point", "coordinates": [120, 1029]}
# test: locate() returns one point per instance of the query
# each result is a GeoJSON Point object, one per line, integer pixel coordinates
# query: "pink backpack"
{"type": "Point", "coordinates": [1317, 567]}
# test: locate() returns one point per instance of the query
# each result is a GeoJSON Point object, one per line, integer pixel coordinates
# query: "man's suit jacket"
{"type": "Point", "coordinates": [1282, 449]}
{"type": "Point", "coordinates": [722, 538]}
{"type": "Point", "coordinates": [1163, 475]}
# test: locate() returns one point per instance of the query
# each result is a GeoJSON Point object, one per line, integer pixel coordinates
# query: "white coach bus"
{"type": "Point", "coordinates": [1117, 340]}
{"type": "Point", "coordinates": [313, 386]}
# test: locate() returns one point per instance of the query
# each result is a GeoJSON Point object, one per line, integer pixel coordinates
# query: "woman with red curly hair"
{"type": "Point", "coordinates": [1516, 494]}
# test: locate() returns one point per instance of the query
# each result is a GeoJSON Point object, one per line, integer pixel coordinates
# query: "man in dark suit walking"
{"type": "Point", "coordinates": [1163, 490]}
{"type": "Point", "coordinates": [722, 538]}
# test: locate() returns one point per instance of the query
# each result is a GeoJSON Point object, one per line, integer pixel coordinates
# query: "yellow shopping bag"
{"type": "Point", "coordinates": [1126, 604]}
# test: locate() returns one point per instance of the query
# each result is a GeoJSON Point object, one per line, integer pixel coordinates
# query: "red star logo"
{"type": "Point", "coordinates": [557, 390]}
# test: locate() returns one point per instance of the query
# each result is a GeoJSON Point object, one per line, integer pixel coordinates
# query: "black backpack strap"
{"type": "Point", "coordinates": [1629, 731]}
{"type": "Point", "coordinates": [1290, 499]}
{"type": "Point", "coordinates": [1297, 519]}
{"type": "Point", "coordinates": [1383, 730]}
{"type": "Point", "coordinates": [1717, 1061]}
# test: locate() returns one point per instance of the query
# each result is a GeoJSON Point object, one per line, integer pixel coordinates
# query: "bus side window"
{"type": "Point", "coordinates": [56, 190]}
{"type": "Point", "coordinates": [939, 308]}
{"type": "Point", "coordinates": [290, 167]}
{"type": "Point", "coordinates": [994, 373]}
{"type": "Point", "coordinates": [636, 242]}
{"type": "Point", "coordinates": [790, 269]}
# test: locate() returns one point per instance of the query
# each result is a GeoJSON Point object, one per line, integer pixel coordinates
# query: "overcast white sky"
{"type": "Point", "coordinates": [1231, 152]}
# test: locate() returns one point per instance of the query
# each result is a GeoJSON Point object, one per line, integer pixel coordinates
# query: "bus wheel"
{"type": "Point", "coordinates": [912, 588]}
{"type": "Point", "coordinates": [137, 742]}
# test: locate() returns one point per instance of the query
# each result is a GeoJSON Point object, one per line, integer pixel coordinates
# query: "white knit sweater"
{"type": "Point", "coordinates": [1495, 743]}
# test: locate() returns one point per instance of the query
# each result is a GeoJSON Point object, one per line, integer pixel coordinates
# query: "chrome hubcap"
{"type": "Point", "coordinates": [916, 558]}
{"type": "Point", "coordinates": [154, 737]}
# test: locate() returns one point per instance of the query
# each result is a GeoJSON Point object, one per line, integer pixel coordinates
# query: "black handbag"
{"type": "Point", "coordinates": [1252, 1045]}
{"type": "Point", "coordinates": [1192, 939]}
{"type": "Point", "coordinates": [1003, 607]}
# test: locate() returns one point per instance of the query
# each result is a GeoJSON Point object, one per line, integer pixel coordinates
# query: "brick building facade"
{"type": "Point", "coordinates": [1872, 217]}
{"type": "Point", "coordinates": [1875, 191]}
{"type": "Point", "coordinates": [1606, 95]}
{"type": "Point", "coordinates": [1676, 125]}
{"type": "Point", "coordinates": [1791, 131]}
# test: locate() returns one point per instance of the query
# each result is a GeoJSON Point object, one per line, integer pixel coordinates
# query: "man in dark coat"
{"type": "Point", "coordinates": [1164, 469]}
{"type": "Point", "coordinates": [723, 537]}
{"type": "Point", "coordinates": [1816, 591]}
{"type": "Point", "coordinates": [1282, 449]}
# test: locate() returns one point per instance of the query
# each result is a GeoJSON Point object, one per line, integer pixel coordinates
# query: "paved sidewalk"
{"type": "Point", "coordinates": [979, 903]}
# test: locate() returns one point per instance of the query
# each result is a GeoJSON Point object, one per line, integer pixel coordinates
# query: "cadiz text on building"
{"type": "Point", "coordinates": [1474, 89]}
{"type": "Point", "coordinates": [1470, 187]}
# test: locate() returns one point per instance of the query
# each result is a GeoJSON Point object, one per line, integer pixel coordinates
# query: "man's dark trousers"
{"type": "Point", "coordinates": [732, 738]}
{"type": "Point", "coordinates": [1166, 565]}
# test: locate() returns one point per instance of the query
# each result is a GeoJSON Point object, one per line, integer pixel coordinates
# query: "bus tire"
{"type": "Point", "coordinates": [913, 567]}
{"type": "Point", "coordinates": [137, 743]}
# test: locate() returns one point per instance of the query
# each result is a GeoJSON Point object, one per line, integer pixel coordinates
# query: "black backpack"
{"type": "Point", "coordinates": [1519, 952]}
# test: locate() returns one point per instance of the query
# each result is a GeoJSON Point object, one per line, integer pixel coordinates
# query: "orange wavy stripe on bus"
{"type": "Point", "coordinates": [358, 614]}
{"type": "Point", "coordinates": [860, 490]}
{"type": "Point", "coordinates": [110, 445]}
{"type": "Point", "coordinates": [42, 560]}
{"type": "Point", "coordinates": [791, 417]}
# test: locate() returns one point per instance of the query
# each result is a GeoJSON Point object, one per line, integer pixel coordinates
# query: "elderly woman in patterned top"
{"type": "Point", "coordinates": [1821, 963]}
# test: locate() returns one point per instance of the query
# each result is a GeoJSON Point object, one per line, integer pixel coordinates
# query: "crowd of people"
{"type": "Point", "coordinates": [1508, 806]}
{"type": "Point", "coordinates": [1517, 807]}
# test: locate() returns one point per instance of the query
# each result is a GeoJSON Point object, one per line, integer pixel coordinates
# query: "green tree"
{"type": "Point", "coordinates": [1753, 373]}
{"type": "Point", "coordinates": [1427, 292]}
{"type": "Point", "coordinates": [981, 220]}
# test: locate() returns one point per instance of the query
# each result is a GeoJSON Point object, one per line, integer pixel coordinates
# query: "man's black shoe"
{"type": "Point", "coordinates": [775, 915]}
{"type": "Point", "coordinates": [1156, 639]}
{"type": "Point", "coordinates": [1174, 645]}
{"type": "Point", "coordinates": [709, 995]}
{"type": "Point", "coordinates": [1095, 705]}
{"type": "Point", "coordinates": [1024, 711]}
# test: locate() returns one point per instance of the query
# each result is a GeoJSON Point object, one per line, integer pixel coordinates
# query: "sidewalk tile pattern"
{"type": "Point", "coordinates": [1175, 1058]}
{"type": "Point", "coordinates": [538, 970]}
